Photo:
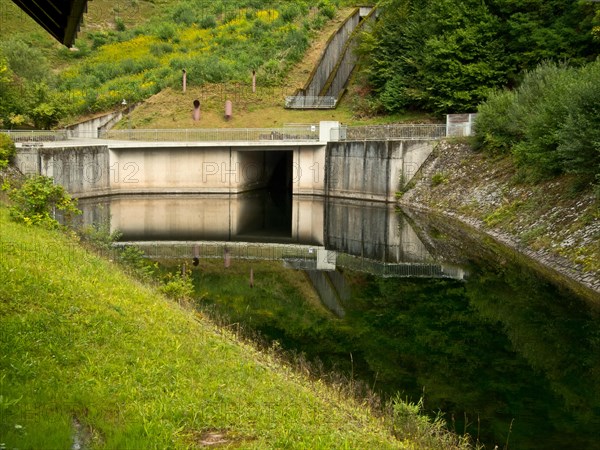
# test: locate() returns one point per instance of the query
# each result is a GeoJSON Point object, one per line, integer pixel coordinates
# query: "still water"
{"type": "Point", "coordinates": [414, 305]}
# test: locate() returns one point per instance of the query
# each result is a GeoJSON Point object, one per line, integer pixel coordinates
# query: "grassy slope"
{"type": "Point", "coordinates": [173, 109]}
{"type": "Point", "coordinates": [85, 348]}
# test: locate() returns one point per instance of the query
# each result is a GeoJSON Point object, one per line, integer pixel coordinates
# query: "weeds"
{"type": "Point", "coordinates": [439, 178]}
{"type": "Point", "coordinates": [410, 422]}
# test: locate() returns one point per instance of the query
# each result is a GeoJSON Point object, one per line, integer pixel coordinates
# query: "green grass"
{"type": "Point", "coordinates": [87, 353]}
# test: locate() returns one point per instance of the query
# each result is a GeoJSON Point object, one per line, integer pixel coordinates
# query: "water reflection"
{"type": "Point", "coordinates": [420, 303]}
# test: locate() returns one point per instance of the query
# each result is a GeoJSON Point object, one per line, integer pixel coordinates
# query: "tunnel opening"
{"type": "Point", "coordinates": [269, 211]}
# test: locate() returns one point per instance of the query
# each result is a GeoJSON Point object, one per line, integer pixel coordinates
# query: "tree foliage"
{"type": "Point", "coordinates": [449, 55]}
{"type": "Point", "coordinates": [7, 150]}
{"type": "Point", "coordinates": [551, 123]}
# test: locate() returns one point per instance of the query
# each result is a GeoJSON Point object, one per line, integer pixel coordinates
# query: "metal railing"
{"type": "Point", "coordinates": [390, 132]}
{"type": "Point", "coordinates": [298, 133]}
{"type": "Point", "coordinates": [36, 135]}
{"type": "Point", "coordinates": [310, 102]}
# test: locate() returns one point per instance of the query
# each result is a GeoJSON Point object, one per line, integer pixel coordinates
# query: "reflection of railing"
{"type": "Point", "coordinates": [399, 270]}
{"type": "Point", "coordinates": [301, 133]}
{"type": "Point", "coordinates": [214, 250]}
{"type": "Point", "coordinates": [390, 132]}
{"type": "Point", "coordinates": [296, 256]}
{"type": "Point", "coordinates": [36, 135]}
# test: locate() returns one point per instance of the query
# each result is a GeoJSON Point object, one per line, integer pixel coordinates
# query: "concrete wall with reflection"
{"type": "Point", "coordinates": [372, 230]}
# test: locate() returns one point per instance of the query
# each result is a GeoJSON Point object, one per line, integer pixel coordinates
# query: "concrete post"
{"type": "Point", "coordinates": [329, 131]}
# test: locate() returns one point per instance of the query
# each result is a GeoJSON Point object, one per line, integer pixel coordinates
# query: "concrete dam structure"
{"type": "Point", "coordinates": [327, 165]}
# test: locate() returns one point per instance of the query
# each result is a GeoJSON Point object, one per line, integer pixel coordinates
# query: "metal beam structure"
{"type": "Point", "coordinates": [58, 17]}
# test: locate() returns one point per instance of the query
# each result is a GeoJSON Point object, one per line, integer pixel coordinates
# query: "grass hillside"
{"type": "Point", "coordinates": [136, 51]}
{"type": "Point", "coordinates": [90, 356]}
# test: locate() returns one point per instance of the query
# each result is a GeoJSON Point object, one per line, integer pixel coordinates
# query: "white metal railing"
{"type": "Point", "coordinates": [310, 102]}
{"type": "Point", "coordinates": [390, 132]}
{"type": "Point", "coordinates": [36, 135]}
{"type": "Point", "coordinates": [297, 133]}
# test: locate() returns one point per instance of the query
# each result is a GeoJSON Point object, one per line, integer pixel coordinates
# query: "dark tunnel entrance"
{"type": "Point", "coordinates": [269, 208]}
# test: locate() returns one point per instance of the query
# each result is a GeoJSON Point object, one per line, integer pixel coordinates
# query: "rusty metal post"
{"type": "Point", "coordinates": [228, 109]}
{"type": "Point", "coordinates": [196, 112]}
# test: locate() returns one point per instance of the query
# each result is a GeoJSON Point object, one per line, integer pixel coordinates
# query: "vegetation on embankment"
{"type": "Point", "coordinates": [554, 220]}
{"type": "Point", "coordinates": [214, 42]}
{"type": "Point", "coordinates": [532, 170]}
{"type": "Point", "coordinates": [91, 357]}
{"type": "Point", "coordinates": [447, 56]}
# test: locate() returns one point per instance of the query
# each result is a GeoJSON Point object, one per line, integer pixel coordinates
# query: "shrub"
{"type": "Point", "coordinates": [439, 178]}
{"type": "Point", "coordinates": [290, 12]}
{"type": "Point", "coordinates": [327, 10]}
{"type": "Point", "coordinates": [46, 115]}
{"type": "Point", "coordinates": [134, 259]}
{"type": "Point", "coordinates": [207, 22]}
{"type": "Point", "coordinates": [7, 150]}
{"type": "Point", "coordinates": [160, 48]}
{"type": "Point", "coordinates": [178, 286]}
{"type": "Point", "coordinates": [26, 61]}
{"type": "Point", "coordinates": [37, 201]}
{"type": "Point", "coordinates": [165, 31]}
{"type": "Point", "coordinates": [551, 123]}
{"type": "Point", "coordinates": [184, 14]}
{"type": "Point", "coordinates": [410, 422]}
{"type": "Point", "coordinates": [496, 127]}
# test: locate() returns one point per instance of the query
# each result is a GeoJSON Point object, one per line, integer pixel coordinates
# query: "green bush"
{"type": "Point", "coordinates": [134, 259]}
{"type": "Point", "coordinates": [410, 422]}
{"type": "Point", "coordinates": [38, 200]}
{"type": "Point", "coordinates": [496, 127]}
{"type": "Point", "coordinates": [447, 56]}
{"type": "Point", "coordinates": [26, 61]}
{"type": "Point", "coordinates": [7, 150]}
{"type": "Point", "coordinates": [327, 10]}
{"type": "Point", "coordinates": [207, 22]}
{"type": "Point", "coordinates": [290, 12]}
{"type": "Point", "coordinates": [165, 31]}
{"type": "Point", "coordinates": [178, 286]}
{"type": "Point", "coordinates": [184, 14]}
{"type": "Point", "coordinates": [119, 24]}
{"type": "Point", "coordinates": [550, 123]}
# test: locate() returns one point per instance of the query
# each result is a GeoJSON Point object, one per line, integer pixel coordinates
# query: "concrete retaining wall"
{"type": "Point", "coordinates": [372, 170]}
{"type": "Point", "coordinates": [93, 127]}
{"type": "Point", "coordinates": [78, 169]}
{"type": "Point", "coordinates": [331, 55]}
{"type": "Point", "coordinates": [338, 78]}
